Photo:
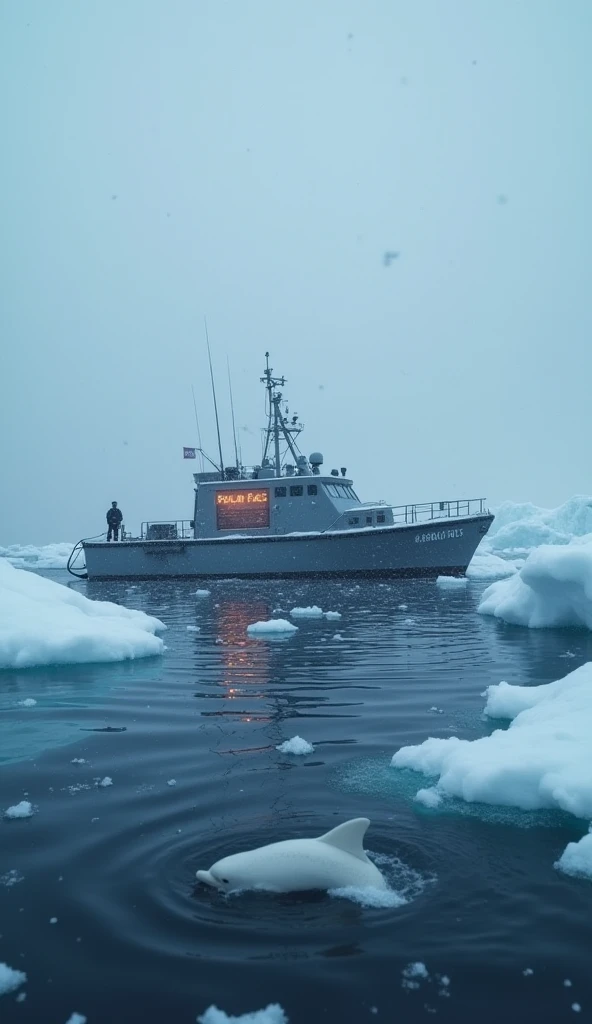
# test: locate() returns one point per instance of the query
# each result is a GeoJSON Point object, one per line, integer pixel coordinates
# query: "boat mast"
{"type": "Point", "coordinates": [276, 424]}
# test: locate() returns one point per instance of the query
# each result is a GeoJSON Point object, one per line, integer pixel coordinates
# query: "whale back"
{"type": "Point", "coordinates": [348, 837]}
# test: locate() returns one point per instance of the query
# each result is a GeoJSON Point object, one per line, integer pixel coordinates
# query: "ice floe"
{"type": "Point", "coordinates": [76, 1018]}
{"type": "Point", "coordinates": [296, 745]}
{"type": "Point", "coordinates": [554, 588]}
{"type": "Point", "coordinates": [271, 626]}
{"type": "Point", "coordinates": [311, 612]}
{"type": "Point", "coordinates": [24, 809]}
{"type": "Point", "coordinates": [45, 623]}
{"type": "Point", "coordinates": [272, 1014]}
{"type": "Point", "coordinates": [10, 979]}
{"type": "Point", "coordinates": [542, 760]}
{"type": "Point", "coordinates": [451, 582]}
{"type": "Point", "coordinates": [202, 593]}
{"type": "Point", "coordinates": [29, 556]}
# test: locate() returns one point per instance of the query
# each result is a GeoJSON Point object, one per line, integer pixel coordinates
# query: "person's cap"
{"type": "Point", "coordinates": [114, 503]}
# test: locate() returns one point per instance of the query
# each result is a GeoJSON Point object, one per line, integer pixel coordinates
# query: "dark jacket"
{"type": "Point", "coordinates": [114, 516]}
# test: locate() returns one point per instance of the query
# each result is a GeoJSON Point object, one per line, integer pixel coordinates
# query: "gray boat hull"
{"type": "Point", "coordinates": [439, 547]}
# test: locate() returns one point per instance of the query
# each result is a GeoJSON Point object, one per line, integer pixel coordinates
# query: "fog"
{"type": "Point", "coordinates": [253, 162]}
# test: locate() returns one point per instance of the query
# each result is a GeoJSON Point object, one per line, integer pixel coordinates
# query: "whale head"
{"type": "Point", "coordinates": [335, 859]}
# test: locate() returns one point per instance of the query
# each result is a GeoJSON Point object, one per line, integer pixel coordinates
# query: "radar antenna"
{"type": "Point", "coordinates": [277, 426]}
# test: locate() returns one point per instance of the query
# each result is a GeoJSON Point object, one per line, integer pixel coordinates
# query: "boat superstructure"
{"type": "Point", "coordinates": [286, 517]}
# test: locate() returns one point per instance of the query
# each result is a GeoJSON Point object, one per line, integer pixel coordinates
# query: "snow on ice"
{"type": "Point", "coordinates": [554, 588]}
{"type": "Point", "coordinates": [45, 623]}
{"type": "Point", "coordinates": [28, 556]}
{"type": "Point", "coordinates": [10, 979]}
{"type": "Point", "coordinates": [312, 612]}
{"type": "Point", "coordinates": [452, 582]}
{"type": "Point", "coordinates": [272, 1014]}
{"type": "Point", "coordinates": [542, 760]}
{"type": "Point", "coordinates": [271, 626]}
{"type": "Point", "coordinates": [296, 745]}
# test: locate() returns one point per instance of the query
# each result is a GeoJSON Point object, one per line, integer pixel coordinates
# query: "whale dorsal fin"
{"type": "Point", "coordinates": [348, 837]}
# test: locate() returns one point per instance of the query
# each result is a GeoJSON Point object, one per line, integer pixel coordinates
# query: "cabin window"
{"type": "Point", "coordinates": [354, 521]}
{"type": "Point", "coordinates": [296, 491]}
{"type": "Point", "coordinates": [380, 518]}
{"type": "Point", "coordinates": [312, 489]}
{"type": "Point", "coordinates": [369, 520]}
{"type": "Point", "coordinates": [280, 492]}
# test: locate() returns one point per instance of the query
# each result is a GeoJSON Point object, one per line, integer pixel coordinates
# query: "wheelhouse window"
{"type": "Point", "coordinates": [280, 492]}
{"type": "Point", "coordinates": [353, 521]}
{"type": "Point", "coordinates": [369, 520]}
{"type": "Point", "coordinates": [312, 489]}
{"type": "Point", "coordinates": [380, 517]}
{"type": "Point", "coordinates": [296, 491]}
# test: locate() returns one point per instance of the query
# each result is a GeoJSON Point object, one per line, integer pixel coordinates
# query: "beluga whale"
{"type": "Point", "coordinates": [334, 860]}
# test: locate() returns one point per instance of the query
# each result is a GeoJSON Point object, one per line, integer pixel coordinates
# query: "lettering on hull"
{"type": "Point", "coordinates": [435, 535]}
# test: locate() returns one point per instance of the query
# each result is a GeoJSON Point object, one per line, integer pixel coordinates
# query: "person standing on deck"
{"type": "Point", "coordinates": [114, 517]}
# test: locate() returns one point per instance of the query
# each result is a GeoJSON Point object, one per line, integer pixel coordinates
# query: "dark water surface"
{"type": "Point", "coordinates": [137, 940]}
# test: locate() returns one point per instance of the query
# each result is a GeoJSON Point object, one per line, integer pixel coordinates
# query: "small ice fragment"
{"type": "Point", "coordinates": [53, 920]}
{"type": "Point", "coordinates": [272, 1014]}
{"type": "Point", "coordinates": [576, 1007]}
{"type": "Point", "coordinates": [428, 797]}
{"type": "Point", "coordinates": [76, 1018]}
{"type": "Point", "coordinates": [22, 810]}
{"type": "Point", "coordinates": [311, 612]}
{"type": "Point", "coordinates": [434, 708]}
{"type": "Point", "coordinates": [21, 997]}
{"type": "Point", "coordinates": [107, 781]}
{"type": "Point", "coordinates": [373, 1009]}
{"type": "Point", "coordinates": [296, 745]}
{"type": "Point", "coordinates": [417, 969]}
{"type": "Point", "coordinates": [402, 607]}
{"type": "Point", "coordinates": [451, 582]}
{"type": "Point", "coordinates": [193, 629]}
{"type": "Point", "coordinates": [10, 979]}
{"type": "Point", "coordinates": [338, 636]}
{"type": "Point", "coordinates": [527, 972]}
{"type": "Point", "coordinates": [567, 983]}
{"type": "Point", "coordinates": [332, 615]}
{"type": "Point", "coordinates": [271, 626]}
{"type": "Point", "coordinates": [444, 980]}
{"type": "Point", "coordinates": [78, 760]}
{"type": "Point", "coordinates": [202, 593]}
{"type": "Point", "coordinates": [408, 622]}
{"type": "Point", "coordinates": [11, 878]}
{"type": "Point", "coordinates": [172, 782]}
{"type": "Point", "coordinates": [28, 702]}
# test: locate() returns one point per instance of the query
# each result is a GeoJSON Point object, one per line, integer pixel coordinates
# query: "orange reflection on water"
{"type": "Point", "coordinates": [245, 664]}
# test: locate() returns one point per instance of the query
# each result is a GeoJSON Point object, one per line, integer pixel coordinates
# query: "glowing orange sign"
{"type": "Point", "coordinates": [242, 509]}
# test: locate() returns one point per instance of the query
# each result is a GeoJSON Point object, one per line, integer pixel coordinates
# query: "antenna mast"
{"type": "Point", "coordinates": [276, 425]}
{"type": "Point", "coordinates": [201, 461]}
{"type": "Point", "coordinates": [214, 397]}
{"type": "Point", "coordinates": [232, 414]}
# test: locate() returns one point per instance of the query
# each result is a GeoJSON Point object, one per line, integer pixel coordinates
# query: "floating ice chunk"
{"type": "Point", "coordinates": [333, 615]}
{"type": "Point", "coordinates": [78, 760]}
{"type": "Point", "coordinates": [576, 859]}
{"type": "Point", "coordinates": [45, 623]}
{"type": "Point", "coordinates": [202, 593]}
{"type": "Point", "coordinates": [337, 636]}
{"type": "Point", "coordinates": [10, 979]}
{"type": "Point", "coordinates": [451, 582]}
{"type": "Point", "coordinates": [76, 1018]}
{"type": "Point", "coordinates": [522, 527]}
{"type": "Point", "coordinates": [22, 810]}
{"type": "Point", "coordinates": [402, 607]}
{"type": "Point", "coordinates": [312, 612]}
{"type": "Point", "coordinates": [485, 565]}
{"type": "Point", "coordinates": [413, 974]}
{"type": "Point", "coordinates": [576, 1007]}
{"type": "Point", "coordinates": [272, 626]}
{"type": "Point", "coordinates": [567, 983]}
{"type": "Point", "coordinates": [53, 920]}
{"type": "Point", "coordinates": [554, 588]}
{"type": "Point", "coordinates": [172, 782]}
{"type": "Point", "coordinates": [28, 556]}
{"type": "Point", "coordinates": [527, 972]}
{"type": "Point", "coordinates": [193, 629]}
{"type": "Point", "coordinates": [543, 760]}
{"type": "Point", "coordinates": [272, 1014]}
{"type": "Point", "coordinates": [21, 997]}
{"type": "Point", "coordinates": [428, 797]}
{"type": "Point", "coordinates": [408, 622]}
{"type": "Point", "coordinates": [296, 745]}
{"type": "Point", "coordinates": [107, 781]}
{"type": "Point", "coordinates": [28, 702]}
{"type": "Point", "coordinates": [369, 896]}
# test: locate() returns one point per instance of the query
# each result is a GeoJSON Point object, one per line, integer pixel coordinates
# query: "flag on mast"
{"type": "Point", "coordinates": [189, 453]}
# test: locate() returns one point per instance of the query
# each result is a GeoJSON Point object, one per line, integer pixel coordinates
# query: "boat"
{"type": "Point", "coordinates": [287, 518]}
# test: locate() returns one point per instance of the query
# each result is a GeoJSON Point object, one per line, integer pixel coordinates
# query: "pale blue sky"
{"type": "Point", "coordinates": [263, 156]}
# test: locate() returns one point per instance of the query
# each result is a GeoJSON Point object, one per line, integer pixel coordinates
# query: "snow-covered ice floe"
{"type": "Point", "coordinates": [271, 626]}
{"type": "Point", "coordinates": [542, 760]}
{"type": "Point", "coordinates": [22, 810]}
{"type": "Point", "coordinates": [29, 556]}
{"type": "Point", "coordinates": [520, 528]}
{"type": "Point", "coordinates": [313, 612]}
{"type": "Point", "coordinates": [45, 623]}
{"type": "Point", "coordinates": [272, 1014]}
{"type": "Point", "coordinates": [554, 588]}
{"type": "Point", "coordinates": [296, 745]}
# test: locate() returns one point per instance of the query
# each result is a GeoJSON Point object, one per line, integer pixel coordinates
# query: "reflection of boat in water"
{"type": "Point", "coordinates": [286, 518]}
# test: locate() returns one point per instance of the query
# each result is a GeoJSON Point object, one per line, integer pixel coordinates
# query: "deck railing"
{"type": "Point", "coordinates": [429, 510]}
{"type": "Point", "coordinates": [167, 529]}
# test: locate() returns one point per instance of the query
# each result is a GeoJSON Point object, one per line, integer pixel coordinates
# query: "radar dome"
{"type": "Point", "coordinates": [316, 459]}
